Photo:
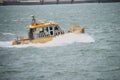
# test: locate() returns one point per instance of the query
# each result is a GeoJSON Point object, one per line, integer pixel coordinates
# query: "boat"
{"type": "Point", "coordinates": [43, 32]}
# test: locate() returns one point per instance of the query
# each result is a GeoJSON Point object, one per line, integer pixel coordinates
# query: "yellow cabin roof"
{"type": "Point", "coordinates": [42, 25]}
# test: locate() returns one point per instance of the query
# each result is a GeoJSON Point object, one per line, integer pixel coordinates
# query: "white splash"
{"type": "Point", "coordinates": [5, 43]}
{"type": "Point", "coordinates": [61, 40]}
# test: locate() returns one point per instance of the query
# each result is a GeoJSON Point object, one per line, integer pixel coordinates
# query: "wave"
{"type": "Point", "coordinates": [17, 20]}
{"type": "Point", "coordinates": [3, 33]}
{"type": "Point", "coordinates": [109, 69]}
{"type": "Point", "coordinates": [61, 40]}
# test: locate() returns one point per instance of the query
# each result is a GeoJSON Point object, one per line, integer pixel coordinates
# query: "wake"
{"type": "Point", "coordinates": [61, 40]}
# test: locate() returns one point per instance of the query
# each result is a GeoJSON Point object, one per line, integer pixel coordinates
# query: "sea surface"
{"type": "Point", "coordinates": [94, 55]}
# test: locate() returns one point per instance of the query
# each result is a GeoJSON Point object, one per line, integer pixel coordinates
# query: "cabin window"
{"type": "Point", "coordinates": [41, 30]}
{"type": "Point", "coordinates": [51, 28]}
{"type": "Point", "coordinates": [51, 32]}
{"type": "Point", "coordinates": [56, 28]}
{"type": "Point", "coordinates": [47, 29]}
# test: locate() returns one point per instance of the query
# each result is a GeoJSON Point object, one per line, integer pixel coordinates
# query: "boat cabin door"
{"type": "Point", "coordinates": [51, 31]}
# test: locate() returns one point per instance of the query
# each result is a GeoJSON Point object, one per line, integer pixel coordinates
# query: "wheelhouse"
{"type": "Point", "coordinates": [41, 30]}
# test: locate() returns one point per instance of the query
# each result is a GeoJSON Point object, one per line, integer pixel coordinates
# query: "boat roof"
{"type": "Point", "coordinates": [42, 25]}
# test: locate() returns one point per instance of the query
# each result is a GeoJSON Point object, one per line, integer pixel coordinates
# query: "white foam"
{"type": "Point", "coordinates": [61, 40]}
{"type": "Point", "coordinates": [5, 43]}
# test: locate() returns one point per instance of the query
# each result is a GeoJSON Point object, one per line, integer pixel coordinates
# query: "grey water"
{"type": "Point", "coordinates": [99, 60]}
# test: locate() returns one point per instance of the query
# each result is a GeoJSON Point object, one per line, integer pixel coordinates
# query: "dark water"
{"type": "Point", "coordinates": [99, 60]}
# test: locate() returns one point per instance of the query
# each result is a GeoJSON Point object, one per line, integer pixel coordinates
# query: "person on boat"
{"type": "Point", "coordinates": [33, 19]}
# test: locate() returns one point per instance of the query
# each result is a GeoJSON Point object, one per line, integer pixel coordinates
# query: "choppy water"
{"type": "Point", "coordinates": [93, 56]}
